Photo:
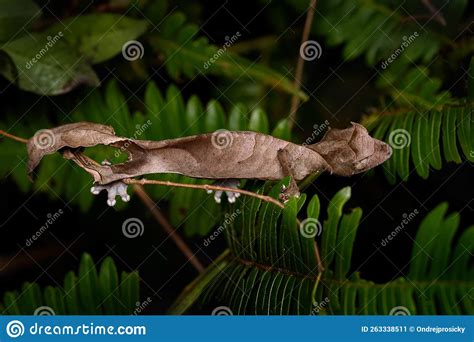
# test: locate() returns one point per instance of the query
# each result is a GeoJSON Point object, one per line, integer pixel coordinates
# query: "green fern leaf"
{"type": "Point", "coordinates": [270, 270]}
{"type": "Point", "coordinates": [87, 293]}
{"type": "Point", "coordinates": [187, 53]}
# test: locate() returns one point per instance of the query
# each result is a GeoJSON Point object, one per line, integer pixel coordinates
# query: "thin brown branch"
{"type": "Point", "coordinates": [436, 13]}
{"type": "Point", "coordinates": [295, 100]}
{"type": "Point", "coordinates": [13, 137]}
{"type": "Point", "coordinates": [204, 187]}
{"type": "Point", "coordinates": [141, 193]}
{"type": "Point", "coordinates": [168, 228]}
{"type": "Point", "coordinates": [222, 188]}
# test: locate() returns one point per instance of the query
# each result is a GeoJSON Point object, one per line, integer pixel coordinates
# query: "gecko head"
{"type": "Point", "coordinates": [351, 150]}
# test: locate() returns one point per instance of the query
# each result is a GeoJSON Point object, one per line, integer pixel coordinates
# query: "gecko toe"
{"type": "Point", "coordinates": [228, 183]}
{"type": "Point", "coordinates": [113, 189]}
{"type": "Point", "coordinates": [218, 196]}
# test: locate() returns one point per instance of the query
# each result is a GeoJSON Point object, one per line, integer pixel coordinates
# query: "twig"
{"type": "Point", "coordinates": [222, 188]}
{"type": "Point", "coordinates": [203, 187]}
{"type": "Point", "coordinates": [13, 137]}
{"type": "Point", "coordinates": [436, 13]}
{"type": "Point", "coordinates": [295, 100]}
{"type": "Point", "coordinates": [161, 219]}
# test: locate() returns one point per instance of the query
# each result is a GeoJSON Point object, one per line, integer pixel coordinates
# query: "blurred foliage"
{"type": "Point", "coordinates": [182, 80]}
{"type": "Point", "coordinates": [89, 292]}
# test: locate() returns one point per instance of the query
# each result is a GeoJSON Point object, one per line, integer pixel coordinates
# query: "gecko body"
{"type": "Point", "coordinates": [221, 155]}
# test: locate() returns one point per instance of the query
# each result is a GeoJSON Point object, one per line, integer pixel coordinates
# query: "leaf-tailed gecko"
{"type": "Point", "coordinates": [221, 155]}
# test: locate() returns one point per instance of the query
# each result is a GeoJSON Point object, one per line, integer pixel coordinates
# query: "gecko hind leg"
{"type": "Point", "coordinates": [292, 189]}
{"type": "Point", "coordinates": [228, 183]}
{"type": "Point", "coordinates": [113, 189]}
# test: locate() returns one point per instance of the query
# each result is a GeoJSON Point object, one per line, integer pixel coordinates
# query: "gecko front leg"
{"type": "Point", "coordinates": [228, 183]}
{"type": "Point", "coordinates": [113, 189]}
{"type": "Point", "coordinates": [292, 189]}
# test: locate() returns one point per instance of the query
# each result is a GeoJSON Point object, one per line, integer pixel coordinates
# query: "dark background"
{"type": "Point", "coordinates": [165, 273]}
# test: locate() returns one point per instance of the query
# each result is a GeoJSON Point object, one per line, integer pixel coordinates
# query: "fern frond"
{"type": "Point", "coordinates": [421, 140]}
{"type": "Point", "coordinates": [188, 53]}
{"type": "Point", "coordinates": [383, 27]}
{"type": "Point", "coordinates": [418, 90]}
{"type": "Point", "coordinates": [271, 268]}
{"type": "Point", "coordinates": [89, 292]}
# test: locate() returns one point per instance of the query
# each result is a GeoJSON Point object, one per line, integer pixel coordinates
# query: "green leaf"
{"type": "Point", "coordinates": [470, 90]}
{"type": "Point", "coordinates": [45, 65]}
{"type": "Point", "coordinates": [258, 121]}
{"type": "Point", "coordinates": [86, 294]}
{"type": "Point", "coordinates": [425, 139]}
{"type": "Point", "coordinates": [16, 17]}
{"type": "Point", "coordinates": [109, 286]}
{"type": "Point", "coordinates": [330, 225]}
{"type": "Point", "coordinates": [187, 53]}
{"type": "Point", "coordinates": [100, 36]}
{"type": "Point", "coordinates": [87, 284]}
